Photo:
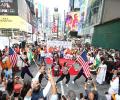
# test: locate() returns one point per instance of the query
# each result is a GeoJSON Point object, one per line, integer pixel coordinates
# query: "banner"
{"type": "Point", "coordinates": [8, 7]}
{"type": "Point", "coordinates": [60, 44]}
{"type": "Point", "coordinates": [46, 17]}
{"type": "Point", "coordinates": [55, 25]}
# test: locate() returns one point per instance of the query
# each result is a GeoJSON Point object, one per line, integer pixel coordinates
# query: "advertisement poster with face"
{"type": "Point", "coordinates": [72, 21]}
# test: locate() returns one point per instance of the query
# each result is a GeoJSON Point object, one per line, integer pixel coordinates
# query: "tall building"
{"type": "Point", "coordinates": [74, 5]}
{"type": "Point", "coordinates": [107, 30]}
{"type": "Point", "coordinates": [102, 23]}
{"type": "Point", "coordinates": [16, 16]}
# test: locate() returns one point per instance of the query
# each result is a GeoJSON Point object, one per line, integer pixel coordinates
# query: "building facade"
{"type": "Point", "coordinates": [16, 16]}
{"type": "Point", "coordinates": [108, 28]}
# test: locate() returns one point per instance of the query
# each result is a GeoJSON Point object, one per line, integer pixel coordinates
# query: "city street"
{"type": "Point", "coordinates": [77, 86]}
{"type": "Point", "coordinates": [79, 38]}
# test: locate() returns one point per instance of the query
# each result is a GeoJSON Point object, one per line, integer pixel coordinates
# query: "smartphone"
{"type": "Point", "coordinates": [81, 95]}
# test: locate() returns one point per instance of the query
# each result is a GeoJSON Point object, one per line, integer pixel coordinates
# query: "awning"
{"type": "Point", "coordinates": [15, 22]}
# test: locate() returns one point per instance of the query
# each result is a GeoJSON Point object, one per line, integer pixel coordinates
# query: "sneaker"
{"type": "Point", "coordinates": [67, 85]}
{"type": "Point", "coordinates": [73, 82]}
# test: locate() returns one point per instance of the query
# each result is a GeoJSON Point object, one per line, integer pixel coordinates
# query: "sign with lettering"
{"type": "Point", "coordinates": [8, 7]}
{"type": "Point", "coordinates": [60, 44]}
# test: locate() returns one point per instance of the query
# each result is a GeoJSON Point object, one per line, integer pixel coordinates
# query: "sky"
{"type": "Point", "coordinates": [51, 4]}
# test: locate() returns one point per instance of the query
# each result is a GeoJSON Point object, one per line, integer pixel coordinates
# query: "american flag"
{"type": "Point", "coordinates": [13, 57]}
{"type": "Point", "coordinates": [82, 59]}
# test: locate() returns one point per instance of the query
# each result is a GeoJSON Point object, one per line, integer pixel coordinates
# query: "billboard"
{"type": "Point", "coordinates": [11, 22]}
{"type": "Point", "coordinates": [83, 9]}
{"type": "Point", "coordinates": [8, 7]}
{"type": "Point", "coordinates": [55, 25]}
{"type": "Point", "coordinates": [72, 21]}
{"type": "Point", "coordinates": [83, 15]}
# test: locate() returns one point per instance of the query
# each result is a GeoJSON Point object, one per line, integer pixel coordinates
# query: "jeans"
{"type": "Point", "coordinates": [42, 60]}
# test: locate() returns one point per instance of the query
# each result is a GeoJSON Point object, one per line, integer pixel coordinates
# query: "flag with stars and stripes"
{"type": "Point", "coordinates": [82, 59]}
{"type": "Point", "coordinates": [13, 57]}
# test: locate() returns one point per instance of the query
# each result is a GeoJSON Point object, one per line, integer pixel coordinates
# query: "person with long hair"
{"type": "Point", "coordinates": [25, 68]}
{"type": "Point", "coordinates": [101, 74]}
{"type": "Point", "coordinates": [65, 74]}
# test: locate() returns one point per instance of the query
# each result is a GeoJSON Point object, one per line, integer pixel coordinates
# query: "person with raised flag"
{"type": "Point", "coordinates": [85, 71]}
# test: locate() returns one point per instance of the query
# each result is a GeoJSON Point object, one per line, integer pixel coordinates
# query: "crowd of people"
{"type": "Point", "coordinates": [104, 65]}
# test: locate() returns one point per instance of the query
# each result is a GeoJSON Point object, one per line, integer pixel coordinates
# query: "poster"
{"type": "Point", "coordinates": [72, 21]}
{"type": "Point", "coordinates": [8, 7]}
{"type": "Point", "coordinates": [55, 25]}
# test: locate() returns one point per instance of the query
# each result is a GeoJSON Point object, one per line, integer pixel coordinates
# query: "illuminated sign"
{"type": "Point", "coordinates": [15, 22]}
{"type": "Point", "coordinates": [72, 21]}
{"type": "Point", "coordinates": [55, 24]}
{"type": "Point", "coordinates": [8, 7]}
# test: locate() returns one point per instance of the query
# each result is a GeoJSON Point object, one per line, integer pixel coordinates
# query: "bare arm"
{"type": "Point", "coordinates": [28, 95]}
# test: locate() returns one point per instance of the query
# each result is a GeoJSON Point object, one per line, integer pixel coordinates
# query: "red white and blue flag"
{"type": "Point", "coordinates": [82, 59]}
{"type": "Point", "coordinates": [13, 57]}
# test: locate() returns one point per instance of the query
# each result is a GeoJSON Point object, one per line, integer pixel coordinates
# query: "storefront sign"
{"type": "Point", "coordinates": [64, 44]}
{"type": "Point", "coordinates": [15, 22]}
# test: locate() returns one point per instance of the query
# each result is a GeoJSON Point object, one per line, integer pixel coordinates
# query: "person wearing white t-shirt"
{"type": "Point", "coordinates": [114, 84]}
{"type": "Point", "coordinates": [101, 74]}
{"type": "Point", "coordinates": [42, 53]}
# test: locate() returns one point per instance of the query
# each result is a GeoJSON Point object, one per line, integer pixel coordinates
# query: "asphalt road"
{"type": "Point", "coordinates": [77, 86]}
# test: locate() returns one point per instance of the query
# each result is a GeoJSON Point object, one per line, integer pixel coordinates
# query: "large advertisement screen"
{"type": "Point", "coordinates": [8, 7]}
{"type": "Point", "coordinates": [72, 21]}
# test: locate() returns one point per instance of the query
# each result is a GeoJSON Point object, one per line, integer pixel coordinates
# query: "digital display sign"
{"type": "Point", "coordinates": [8, 7]}
{"type": "Point", "coordinates": [72, 21]}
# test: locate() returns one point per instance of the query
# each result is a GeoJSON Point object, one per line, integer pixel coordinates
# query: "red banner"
{"type": "Point", "coordinates": [55, 26]}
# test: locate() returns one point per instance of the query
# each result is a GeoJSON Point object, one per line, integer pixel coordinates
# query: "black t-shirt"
{"type": "Point", "coordinates": [38, 95]}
